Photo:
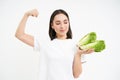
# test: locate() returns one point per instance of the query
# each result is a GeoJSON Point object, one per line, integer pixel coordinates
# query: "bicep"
{"type": "Point", "coordinates": [28, 39]}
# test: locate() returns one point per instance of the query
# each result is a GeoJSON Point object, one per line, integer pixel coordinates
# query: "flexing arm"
{"type": "Point", "coordinates": [77, 64]}
{"type": "Point", "coordinates": [20, 32]}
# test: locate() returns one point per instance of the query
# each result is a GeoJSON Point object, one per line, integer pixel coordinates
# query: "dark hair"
{"type": "Point", "coordinates": [52, 33]}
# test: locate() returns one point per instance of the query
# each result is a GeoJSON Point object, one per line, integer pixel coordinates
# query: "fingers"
{"type": "Point", "coordinates": [88, 51]}
{"type": "Point", "coordinates": [33, 13]}
{"type": "Point", "coordinates": [82, 51]}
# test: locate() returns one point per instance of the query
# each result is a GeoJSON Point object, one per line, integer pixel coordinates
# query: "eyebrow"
{"type": "Point", "coordinates": [66, 20]}
{"type": "Point", "coordinates": [59, 20]}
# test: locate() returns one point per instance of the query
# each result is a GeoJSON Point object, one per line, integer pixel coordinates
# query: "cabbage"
{"type": "Point", "coordinates": [90, 37]}
{"type": "Point", "coordinates": [98, 46]}
{"type": "Point", "coordinates": [89, 42]}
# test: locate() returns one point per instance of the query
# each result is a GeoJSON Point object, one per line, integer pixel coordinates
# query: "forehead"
{"type": "Point", "coordinates": [60, 17]}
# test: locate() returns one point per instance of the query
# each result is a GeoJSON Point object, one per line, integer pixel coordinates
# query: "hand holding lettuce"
{"type": "Point", "coordinates": [89, 41]}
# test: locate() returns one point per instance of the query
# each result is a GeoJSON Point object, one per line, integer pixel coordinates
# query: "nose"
{"type": "Point", "coordinates": [62, 26]}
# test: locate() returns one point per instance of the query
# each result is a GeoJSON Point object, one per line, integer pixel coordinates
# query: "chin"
{"type": "Point", "coordinates": [63, 34]}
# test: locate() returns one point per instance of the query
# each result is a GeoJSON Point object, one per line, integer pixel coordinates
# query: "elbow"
{"type": "Point", "coordinates": [16, 35]}
{"type": "Point", "coordinates": [76, 75]}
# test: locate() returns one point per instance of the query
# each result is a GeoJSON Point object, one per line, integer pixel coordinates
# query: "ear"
{"type": "Point", "coordinates": [52, 26]}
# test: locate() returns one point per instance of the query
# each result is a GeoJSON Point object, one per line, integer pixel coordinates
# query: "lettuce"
{"type": "Point", "coordinates": [89, 42]}
{"type": "Point", "coordinates": [90, 37]}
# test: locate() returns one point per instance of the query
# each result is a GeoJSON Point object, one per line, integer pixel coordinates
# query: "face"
{"type": "Point", "coordinates": [61, 25]}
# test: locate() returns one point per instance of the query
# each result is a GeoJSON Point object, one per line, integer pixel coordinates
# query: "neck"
{"type": "Point", "coordinates": [62, 37]}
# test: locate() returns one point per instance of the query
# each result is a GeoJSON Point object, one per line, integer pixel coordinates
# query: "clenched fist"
{"type": "Point", "coordinates": [32, 12]}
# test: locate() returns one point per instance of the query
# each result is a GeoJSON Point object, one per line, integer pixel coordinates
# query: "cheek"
{"type": "Point", "coordinates": [67, 27]}
{"type": "Point", "coordinates": [56, 28]}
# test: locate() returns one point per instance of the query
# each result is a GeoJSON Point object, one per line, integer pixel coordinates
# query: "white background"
{"type": "Point", "coordinates": [18, 61]}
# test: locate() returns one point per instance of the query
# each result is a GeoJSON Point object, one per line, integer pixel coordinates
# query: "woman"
{"type": "Point", "coordinates": [60, 59]}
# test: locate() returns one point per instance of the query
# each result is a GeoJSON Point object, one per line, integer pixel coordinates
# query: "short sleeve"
{"type": "Point", "coordinates": [36, 44]}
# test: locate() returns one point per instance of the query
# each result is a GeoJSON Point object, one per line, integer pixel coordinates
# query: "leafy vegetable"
{"type": "Point", "coordinates": [90, 37]}
{"type": "Point", "coordinates": [98, 46]}
{"type": "Point", "coordinates": [89, 41]}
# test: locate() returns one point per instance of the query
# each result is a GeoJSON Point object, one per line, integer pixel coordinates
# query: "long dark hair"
{"type": "Point", "coordinates": [52, 33]}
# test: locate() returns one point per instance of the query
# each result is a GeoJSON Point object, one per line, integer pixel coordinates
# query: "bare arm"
{"type": "Point", "coordinates": [77, 64]}
{"type": "Point", "coordinates": [20, 32]}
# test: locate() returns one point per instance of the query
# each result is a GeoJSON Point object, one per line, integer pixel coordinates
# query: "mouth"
{"type": "Point", "coordinates": [62, 30]}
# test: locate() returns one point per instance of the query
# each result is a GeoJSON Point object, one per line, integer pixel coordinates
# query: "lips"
{"type": "Point", "coordinates": [62, 30]}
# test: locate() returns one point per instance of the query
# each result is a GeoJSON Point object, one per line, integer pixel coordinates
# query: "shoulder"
{"type": "Point", "coordinates": [41, 42]}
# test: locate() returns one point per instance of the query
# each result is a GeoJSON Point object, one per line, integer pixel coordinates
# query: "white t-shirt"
{"type": "Point", "coordinates": [56, 59]}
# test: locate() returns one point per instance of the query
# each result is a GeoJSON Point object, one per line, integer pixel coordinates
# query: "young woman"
{"type": "Point", "coordinates": [60, 59]}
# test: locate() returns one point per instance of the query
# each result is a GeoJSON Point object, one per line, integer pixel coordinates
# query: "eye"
{"type": "Point", "coordinates": [57, 23]}
{"type": "Point", "coordinates": [65, 22]}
